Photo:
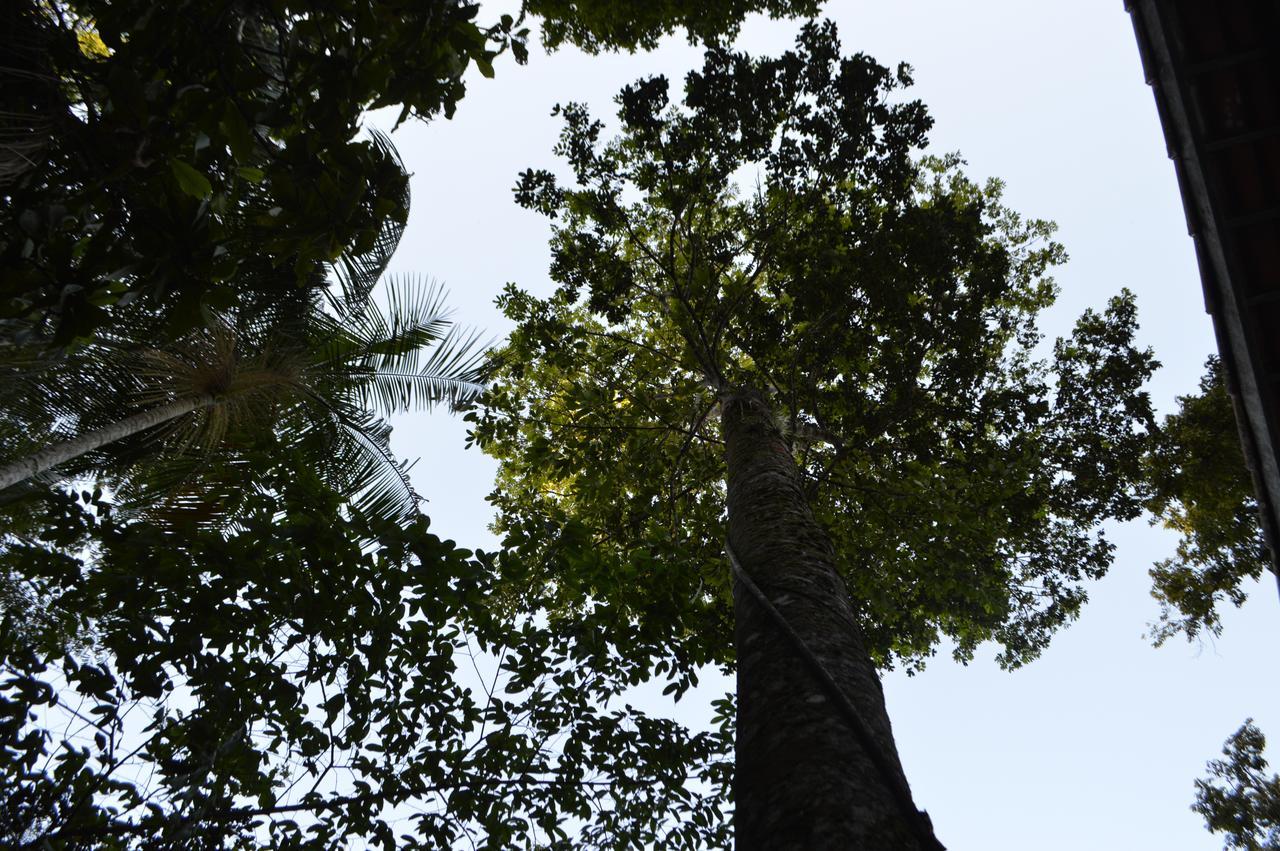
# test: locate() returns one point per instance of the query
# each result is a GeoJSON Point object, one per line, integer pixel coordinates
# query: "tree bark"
{"type": "Point", "coordinates": [60, 453]}
{"type": "Point", "coordinates": [803, 779]}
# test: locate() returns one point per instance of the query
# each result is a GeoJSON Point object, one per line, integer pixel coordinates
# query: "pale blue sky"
{"type": "Point", "coordinates": [1096, 745]}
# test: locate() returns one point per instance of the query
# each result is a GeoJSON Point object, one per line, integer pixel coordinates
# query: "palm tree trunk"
{"type": "Point", "coordinates": [60, 453]}
{"type": "Point", "coordinates": [804, 780]}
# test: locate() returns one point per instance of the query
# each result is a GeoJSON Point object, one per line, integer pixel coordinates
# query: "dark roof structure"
{"type": "Point", "coordinates": [1215, 69]}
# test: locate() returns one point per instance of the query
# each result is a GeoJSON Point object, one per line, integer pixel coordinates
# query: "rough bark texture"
{"type": "Point", "coordinates": [60, 453]}
{"type": "Point", "coordinates": [803, 781]}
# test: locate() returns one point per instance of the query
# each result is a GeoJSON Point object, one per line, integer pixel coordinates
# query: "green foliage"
{"type": "Point", "coordinates": [178, 182]}
{"type": "Point", "coordinates": [1201, 488]}
{"type": "Point", "coordinates": [290, 685]}
{"type": "Point", "coordinates": [190, 142]}
{"type": "Point", "coordinates": [149, 152]}
{"type": "Point", "coordinates": [884, 303]}
{"type": "Point", "coordinates": [1239, 800]}
{"type": "Point", "coordinates": [312, 373]}
{"type": "Point", "coordinates": [595, 25]}
{"type": "Point", "coordinates": [37, 518]}
{"type": "Point", "coordinates": [313, 369]}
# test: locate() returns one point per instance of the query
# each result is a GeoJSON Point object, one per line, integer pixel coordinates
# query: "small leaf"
{"type": "Point", "coordinates": [189, 180]}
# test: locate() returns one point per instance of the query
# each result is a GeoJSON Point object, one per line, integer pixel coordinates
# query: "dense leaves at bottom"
{"type": "Point", "coordinates": [313, 678]}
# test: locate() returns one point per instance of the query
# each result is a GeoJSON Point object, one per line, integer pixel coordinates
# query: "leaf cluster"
{"type": "Point", "coordinates": [1239, 800]}
{"type": "Point", "coordinates": [290, 685]}
{"type": "Point", "coordinates": [595, 25]}
{"type": "Point", "coordinates": [1201, 488]}
{"type": "Point", "coordinates": [185, 145]}
{"type": "Point", "coordinates": [316, 368]}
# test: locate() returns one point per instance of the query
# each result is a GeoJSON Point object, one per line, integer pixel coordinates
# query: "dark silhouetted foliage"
{"type": "Point", "coordinates": [1201, 488]}
{"type": "Point", "coordinates": [1239, 800]}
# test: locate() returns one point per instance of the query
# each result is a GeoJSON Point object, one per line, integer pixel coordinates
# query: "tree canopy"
{"type": "Point", "coordinates": [171, 426]}
{"type": "Point", "coordinates": [288, 685]}
{"type": "Point", "coordinates": [188, 199]}
{"type": "Point", "coordinates": [149, 153]}
{"type": "Point", "coordinates": [166, 151]}
{"type": "Point", "coordinates": [299, 675]}
{"type": "Point", "coordinates": [884, 303]}
{"type": "Point", "coordinates": [595, 25]}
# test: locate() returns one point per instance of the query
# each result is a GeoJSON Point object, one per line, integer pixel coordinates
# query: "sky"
{"type": "Point", "coordinates": [1097, 744]}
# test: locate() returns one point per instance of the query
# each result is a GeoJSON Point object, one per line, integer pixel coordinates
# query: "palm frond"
{"type": "Point", "coordinates": [358, 274]}
{"type": "Point", "coordinates": [204, 489]}
{"type": "Point", "coordinates": [381, 355]}
{"type": "Point", "coordinates": [359, 462]}
{"type": "Point", "coordinates": [311, 368]}
{"type": "Point", "coordinates": [378, 332]}
{"type": "Point", "coordinates": [451, 372]}
{"type": "Point", "coordinates": [283, 317]}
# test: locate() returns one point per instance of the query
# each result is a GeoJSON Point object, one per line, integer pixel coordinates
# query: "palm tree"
{"type": "Point", "coordinates": [179, 424]}
{"type": "Point", "coordinates": [322, 373]}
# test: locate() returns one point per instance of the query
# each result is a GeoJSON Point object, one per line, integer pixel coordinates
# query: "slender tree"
{"type": "Point", "coordinates": [803, 430]}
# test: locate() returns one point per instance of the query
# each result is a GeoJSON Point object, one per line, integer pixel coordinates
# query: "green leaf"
{"type": "Point", "coordinates": [190, 181]}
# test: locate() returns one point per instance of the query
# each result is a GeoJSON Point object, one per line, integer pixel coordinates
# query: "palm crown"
{"type": "Point", "coordinates": [178, 427]}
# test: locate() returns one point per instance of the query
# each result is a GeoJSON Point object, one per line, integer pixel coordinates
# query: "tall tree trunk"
{"type": "Point", "coordinates": [60, 453]}
{"type": "Point", "coordinates": [804, 781]}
